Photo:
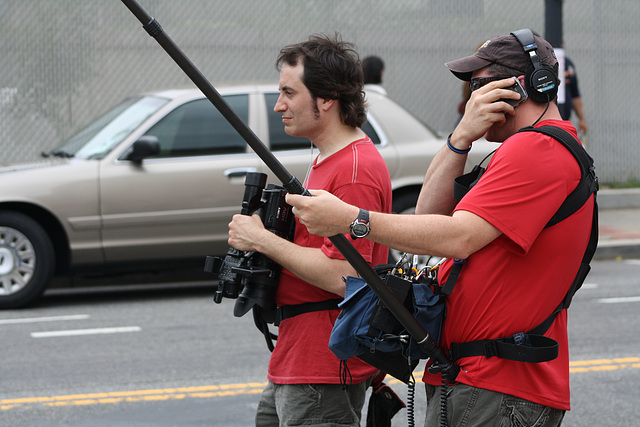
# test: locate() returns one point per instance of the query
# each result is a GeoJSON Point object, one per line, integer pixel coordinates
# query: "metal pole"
{"type": "Point", "coordinates": [388, 298]}
{"type": "Point", "coordinates": [553, 31]}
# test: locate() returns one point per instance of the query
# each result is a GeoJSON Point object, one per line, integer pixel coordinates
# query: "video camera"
{"type": "Point", "coordinates": [252, 277]}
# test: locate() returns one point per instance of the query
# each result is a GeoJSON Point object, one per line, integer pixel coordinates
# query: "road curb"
{"type": "Point", "coordinates": [618, 249]}
{"type": "Point", "coordinates": [623, 198]}
{"type": "Point", "coordinates": [618, 199]}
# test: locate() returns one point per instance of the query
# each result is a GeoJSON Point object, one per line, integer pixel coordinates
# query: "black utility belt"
{"type": "Point", "coordinates": [520, 347]}
{"type": "Point", "coordinates": [287, 311]}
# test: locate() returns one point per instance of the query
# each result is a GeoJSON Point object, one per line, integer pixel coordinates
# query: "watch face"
{"type": "Point", "coordinates": [360, 229]}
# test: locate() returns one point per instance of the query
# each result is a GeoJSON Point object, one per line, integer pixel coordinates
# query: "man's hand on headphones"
{"type": "Point", "coordinates": [483, 111]}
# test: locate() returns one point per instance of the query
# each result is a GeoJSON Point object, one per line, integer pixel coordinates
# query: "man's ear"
{"type": "Point", "coordinates": [326, 104]}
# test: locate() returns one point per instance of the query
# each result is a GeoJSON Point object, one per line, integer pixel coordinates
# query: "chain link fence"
{"type": "Point", "coordinates": [64, 62]}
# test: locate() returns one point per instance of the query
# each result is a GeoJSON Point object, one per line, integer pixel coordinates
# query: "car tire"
{"type": "Point", "coordinates": [403, 204]}
{"type": "Point", "coordinates": [406, 204]}
{"type": "Point", "coordinates": [27, 260]}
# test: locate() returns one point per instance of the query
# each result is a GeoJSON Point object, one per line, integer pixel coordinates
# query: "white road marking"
{"type": "Point", "coordinates": [618, 300]}
{"type": "Point", "coordinates": [44, 319]}
{"type": "Point", "coordinates": [75, 332]}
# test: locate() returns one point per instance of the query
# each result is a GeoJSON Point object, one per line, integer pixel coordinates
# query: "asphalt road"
{"type": "Point", "coordinates": [166, 355]}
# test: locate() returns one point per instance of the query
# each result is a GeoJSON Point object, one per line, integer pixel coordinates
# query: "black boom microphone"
{"type": "Point", "coordinates": [441, 363]}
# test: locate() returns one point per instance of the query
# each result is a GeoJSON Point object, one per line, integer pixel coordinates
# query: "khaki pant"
{"type": "Point", "coordinates": [471, 406]}
{"type": "Point", "coordinates": [321, 405]}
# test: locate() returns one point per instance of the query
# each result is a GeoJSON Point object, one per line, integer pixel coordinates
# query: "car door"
{"type": "Point", "coordinates": [178, 204]}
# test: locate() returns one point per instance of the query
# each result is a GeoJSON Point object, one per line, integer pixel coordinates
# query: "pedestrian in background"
{"type": "Point", "coordinates": [572, 98]}
{"type": "Point", "coordinates": [373, 68]}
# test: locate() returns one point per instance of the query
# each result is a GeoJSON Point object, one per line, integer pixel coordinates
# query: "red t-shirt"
{"type": "Point", "coordinates": [358, 175]}
{"type": "Point", "coordinates": [515, 282]}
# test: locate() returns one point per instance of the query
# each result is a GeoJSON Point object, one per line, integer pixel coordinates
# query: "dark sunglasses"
{"type": "Point", "coordinates": [478, 82]}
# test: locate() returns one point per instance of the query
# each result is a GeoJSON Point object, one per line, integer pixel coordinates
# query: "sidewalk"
{"type": "Point", "coordinates": [619, 224]}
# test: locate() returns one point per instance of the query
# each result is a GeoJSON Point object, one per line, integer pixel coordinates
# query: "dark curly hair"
{"type": "Point", "coordinates": [332, 70]}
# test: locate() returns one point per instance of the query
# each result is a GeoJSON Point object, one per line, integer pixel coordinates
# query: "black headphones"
{"type": "Point", "coordinates": [541, 82]}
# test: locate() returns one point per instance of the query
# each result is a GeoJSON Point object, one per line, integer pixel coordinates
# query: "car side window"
{"type": "Point", "coordinates": [197, 128]}
{"type": "Point", "coordinates": [368, 129]}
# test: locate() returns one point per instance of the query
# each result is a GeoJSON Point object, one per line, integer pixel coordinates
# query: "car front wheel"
{"type": "Point", "coordinates": [406, 204]}
{"type": "Point", "coordinates": [26, 260]}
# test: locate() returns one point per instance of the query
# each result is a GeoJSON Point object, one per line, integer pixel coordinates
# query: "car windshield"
{"type": "Point", "coordinates": [101, 136]}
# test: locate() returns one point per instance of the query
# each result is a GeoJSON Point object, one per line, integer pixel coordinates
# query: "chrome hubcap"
{"type": "Point", "coordinates": [17, 261]}
{"type": "Point", "coordinates": [6, 261]}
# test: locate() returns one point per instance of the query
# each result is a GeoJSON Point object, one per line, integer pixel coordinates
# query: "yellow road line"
{"type": "Point", "coordinates": [604, 364]}
{"type": "Point", "coordinates": [136, 395]}
{"type": "Point", "coordinates": [243, 388]}
{"type": "Point", "coordinates": [579, 366]}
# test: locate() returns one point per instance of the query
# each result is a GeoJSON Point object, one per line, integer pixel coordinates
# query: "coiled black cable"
{"type": "Point", "coordinates": [411, 389]}
{"type": "Point", "coordinates": [443, 403]}
{"type": "Point", "coordinates": [345, 374]}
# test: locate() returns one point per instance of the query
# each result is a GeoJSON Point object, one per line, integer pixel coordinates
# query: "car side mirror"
{"type": "Point", "coordinates": [144, 147]}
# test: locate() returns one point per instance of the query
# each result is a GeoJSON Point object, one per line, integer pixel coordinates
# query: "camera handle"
{"type": "Point", "coordinates": [425, 341]}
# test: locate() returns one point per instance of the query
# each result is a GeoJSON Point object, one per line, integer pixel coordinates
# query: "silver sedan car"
{"type": "Point", "coordinates": [155, 181]}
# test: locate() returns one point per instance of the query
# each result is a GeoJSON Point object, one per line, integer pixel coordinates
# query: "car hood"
{"type": "Point", "coordinates": [49, 182]}
{"type": "Point", "coordinates": [38, 164]}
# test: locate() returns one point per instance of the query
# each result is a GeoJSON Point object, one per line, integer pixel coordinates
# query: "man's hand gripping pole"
{"type": "Point", "coordinates": [441, 362]}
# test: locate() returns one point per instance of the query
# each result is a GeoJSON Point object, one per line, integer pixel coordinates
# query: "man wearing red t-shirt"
{"type": "Point", "coordinates": [321, 99]}
{"type": "Point", "coordinates": [517, 271]}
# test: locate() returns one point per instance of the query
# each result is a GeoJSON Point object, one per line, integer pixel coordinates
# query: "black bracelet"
{"type": "Point", "coordinates": [454, 149]}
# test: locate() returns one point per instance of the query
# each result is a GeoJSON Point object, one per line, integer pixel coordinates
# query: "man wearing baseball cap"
{"type": "Point", "coordinates": [517, 270]}
{"type": "Point", "coordinates": [501, 292]}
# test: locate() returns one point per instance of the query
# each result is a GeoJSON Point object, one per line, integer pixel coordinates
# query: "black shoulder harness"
{"type": "Point", "coordinates": [532, 346]}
